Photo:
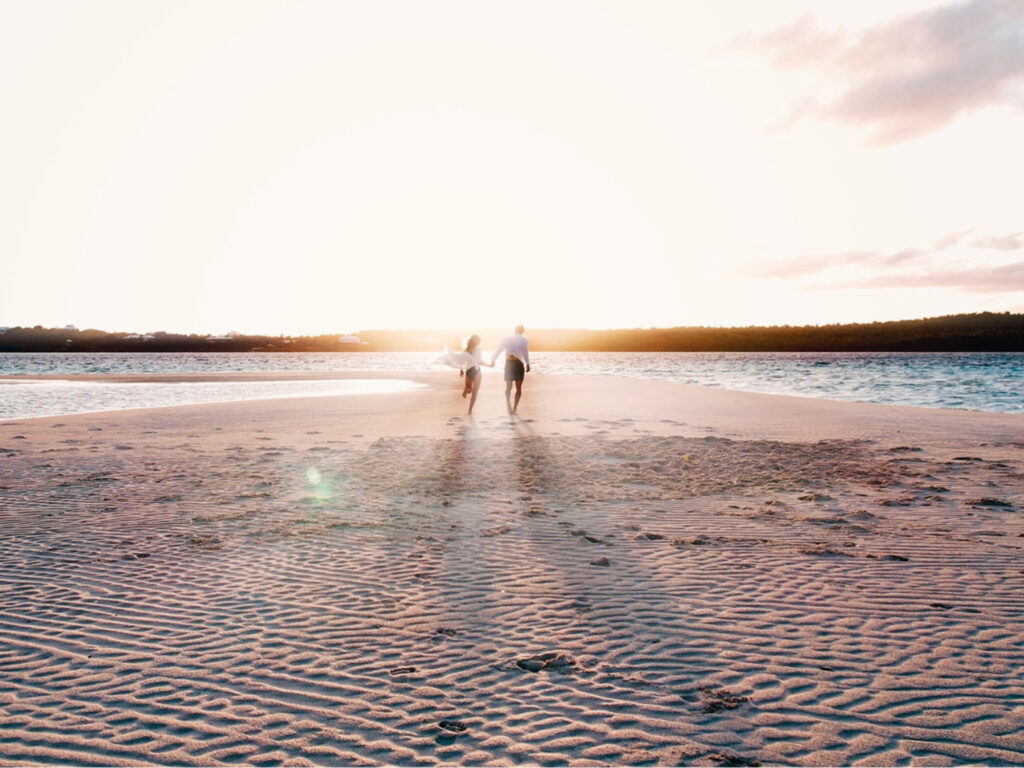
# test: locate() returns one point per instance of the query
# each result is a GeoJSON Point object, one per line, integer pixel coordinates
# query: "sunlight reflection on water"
{"type": "Point", "coordinates": [35, 398]}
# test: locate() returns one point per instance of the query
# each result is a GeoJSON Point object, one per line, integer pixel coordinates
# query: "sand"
{"type": "Point", "coordinates": [629, 572]}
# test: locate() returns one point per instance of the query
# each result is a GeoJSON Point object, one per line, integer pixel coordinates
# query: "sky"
{"type": "Point", "coordinates": [322, 167]}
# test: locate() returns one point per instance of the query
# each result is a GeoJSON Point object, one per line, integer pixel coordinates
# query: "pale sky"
{"type": "Point", "coordinates": [321, 167]}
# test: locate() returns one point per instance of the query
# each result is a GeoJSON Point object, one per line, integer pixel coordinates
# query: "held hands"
{"type": "Point", "coordinates": [527, 367]}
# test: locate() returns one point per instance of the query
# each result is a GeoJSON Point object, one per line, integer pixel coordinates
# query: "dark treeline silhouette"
{"type": "Point", "coordinates": [981, 332]}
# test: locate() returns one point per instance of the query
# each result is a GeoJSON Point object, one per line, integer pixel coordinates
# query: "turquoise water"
{"type": "Point", "coordinates": [973, 381]}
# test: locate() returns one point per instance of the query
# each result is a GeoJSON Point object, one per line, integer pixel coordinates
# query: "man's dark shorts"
{"type": "Point", "coordinates": [514, 370]}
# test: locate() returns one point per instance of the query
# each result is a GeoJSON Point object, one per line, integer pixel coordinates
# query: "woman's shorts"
{"type": "Point", "coordinates": [514, 370]}
{"type": "Point", "coordinates": [472, 372]}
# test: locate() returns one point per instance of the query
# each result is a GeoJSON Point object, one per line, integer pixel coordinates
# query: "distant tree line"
{"type": "Point", "coordinates": [979, 332]}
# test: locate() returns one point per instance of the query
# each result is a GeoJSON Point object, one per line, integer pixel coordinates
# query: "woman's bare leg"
{"type": "Point", "coordinates": [476, 388]}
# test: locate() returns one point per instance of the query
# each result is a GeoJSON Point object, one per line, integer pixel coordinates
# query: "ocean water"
{"type": "Point", "coordinates": [972, 381]}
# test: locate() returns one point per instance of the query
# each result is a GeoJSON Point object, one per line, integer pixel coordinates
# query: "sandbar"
{"type": "Point", "coordinates": [626, 572]}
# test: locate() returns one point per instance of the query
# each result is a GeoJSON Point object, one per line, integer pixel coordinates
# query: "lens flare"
{"type": "Point", "coordinates": [321, 489]}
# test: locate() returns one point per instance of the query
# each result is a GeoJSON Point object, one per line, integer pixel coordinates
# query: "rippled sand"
{"type": "Point", "coordinates": [631, 573]}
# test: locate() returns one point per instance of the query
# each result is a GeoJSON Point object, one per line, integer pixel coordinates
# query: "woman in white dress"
{"type": "Point", "coordinates": [475, 358]}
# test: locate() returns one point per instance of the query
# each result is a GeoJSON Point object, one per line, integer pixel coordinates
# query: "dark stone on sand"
{"type": "Point", "coordinates": [654, 536]}
{"type": "Point", "coordinates": [815, 497]}
{"type": "Point", "coordinates": [603, 562]}
{"type": "Point", "coordinates": [901, 558]}
{"type": "Point", "coordinates": [941, 606]}
{"type": "Point", "coordinates": [897, 502]}
{"type": "Point", "coordinates": [988, 501]}
{"type": "Point", "coordinates": [401, 670]}
{"type": "Point", "coordinates": [828, 551]}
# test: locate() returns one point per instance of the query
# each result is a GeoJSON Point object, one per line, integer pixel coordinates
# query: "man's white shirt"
{"type": "Point", "coordinates": [515, 345]}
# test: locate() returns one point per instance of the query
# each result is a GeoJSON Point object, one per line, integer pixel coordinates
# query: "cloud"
{"type": "Point", "coordinates": [950, 240]}
{"type": "Point", "coordinates": [1012, 242]}
{"type": "Point", "coordinates": [800, 266]}
{"type": "Point", "coordinates": [909, 267]}
{"type": "Point", "coordinates": [1007, 278]}
{"type": "Point", "coordinates": [909, 76]}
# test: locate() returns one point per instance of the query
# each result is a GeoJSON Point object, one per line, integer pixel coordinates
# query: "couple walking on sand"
{"type": "Point", "coordinates": [517, 363]}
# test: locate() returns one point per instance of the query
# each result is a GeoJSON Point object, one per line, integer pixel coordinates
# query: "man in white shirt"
{"type": "Point", "coordinates": [517, 364]}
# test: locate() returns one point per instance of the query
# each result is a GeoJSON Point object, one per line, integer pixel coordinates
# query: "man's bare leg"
{"type": "Point", "coordinates": [508, 396]}
{"type": "Point", "coordinates": [519, 393]}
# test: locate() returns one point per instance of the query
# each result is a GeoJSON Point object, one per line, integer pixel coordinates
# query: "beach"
{"type": "Point", "coordinates": [628, 572]}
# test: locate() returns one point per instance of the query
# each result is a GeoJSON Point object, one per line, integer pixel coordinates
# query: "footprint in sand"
{"type": "Point", "coordinates": [582, 605]}
{"type": "Point", "coordinates": [698, 541]}
{"type": "Point", "coordinates": [550, 661]}
{"type": "Point", "coordinates": [717, 700]}
{"type": "Point", "coordinates": [451, 729]}
{"type": "Point", "coordinates": [586, 536]}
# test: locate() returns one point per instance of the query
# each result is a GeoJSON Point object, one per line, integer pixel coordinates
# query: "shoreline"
{"type": "Point", "coordinates": [432, 379]}
{"type": "Point", "coordinates": [374, 384]}
{"type": "Point", "coordinates": [984, 382]}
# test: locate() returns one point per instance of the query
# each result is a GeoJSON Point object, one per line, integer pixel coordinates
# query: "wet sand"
{"type": "Point", "coordinates": [629, 572]}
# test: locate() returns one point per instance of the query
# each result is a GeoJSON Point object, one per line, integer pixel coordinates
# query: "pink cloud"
{"type": "Point", "coordinates": [908, 267]}
{"type": "Point", "coordinates": [912, 75]}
